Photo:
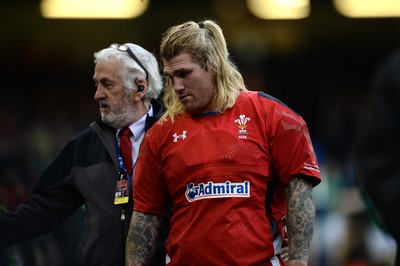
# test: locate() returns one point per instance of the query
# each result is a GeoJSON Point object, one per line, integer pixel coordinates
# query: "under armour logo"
{"type": "Point", "coordinates": [176, 136]}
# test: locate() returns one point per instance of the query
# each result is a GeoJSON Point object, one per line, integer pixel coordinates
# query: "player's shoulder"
{"type": "Point", "coordinates": [169, 124]}
{"type": "Point", "coordinates": [261, 96]}
{"type": "Point", "coordinates": [268, 99]}
{"type": "Point", "coordinates": [264, 99]}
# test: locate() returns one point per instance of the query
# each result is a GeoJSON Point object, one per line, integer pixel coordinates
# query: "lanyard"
{"type": "Point", "coordinates": [122, 173]}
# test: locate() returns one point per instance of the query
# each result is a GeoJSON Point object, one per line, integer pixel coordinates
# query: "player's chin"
{"type": "Point", "coordinates": [189, 106]}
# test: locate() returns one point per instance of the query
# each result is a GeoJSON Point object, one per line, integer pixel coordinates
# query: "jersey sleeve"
{"type": "Point", "coordinates": [150, 190]}
{"type": "Point", "coordinates": [291, 147]}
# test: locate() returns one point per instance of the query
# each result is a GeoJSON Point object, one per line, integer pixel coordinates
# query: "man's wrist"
{"type": "Point", "coordinates": [296, 263]}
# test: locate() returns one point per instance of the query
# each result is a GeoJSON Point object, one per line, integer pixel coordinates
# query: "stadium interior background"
{"type": "Point", "coordinates": [321, 66]}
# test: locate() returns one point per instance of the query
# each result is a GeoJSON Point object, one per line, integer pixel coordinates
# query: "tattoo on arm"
{"type": "Point", "coordinates": [300, 218]}
{"type": "Point", "coordinates": [142, 238]}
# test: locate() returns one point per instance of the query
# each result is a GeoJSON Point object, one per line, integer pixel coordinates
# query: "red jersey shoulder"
{"type": "Point", "coordinates": [259, 109]}
{"type": "Point", "coordinates": [167, 131]}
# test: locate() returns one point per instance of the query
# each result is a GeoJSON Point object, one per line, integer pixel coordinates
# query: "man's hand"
{"type": "Point", "coordinates": [284, 252]}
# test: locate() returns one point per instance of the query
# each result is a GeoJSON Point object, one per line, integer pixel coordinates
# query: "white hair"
{"type": "Point", "coordinates": [131, 70]}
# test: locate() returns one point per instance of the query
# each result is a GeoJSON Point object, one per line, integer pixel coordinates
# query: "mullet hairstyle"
{"type": "Point", "coordinates": [205, 41]}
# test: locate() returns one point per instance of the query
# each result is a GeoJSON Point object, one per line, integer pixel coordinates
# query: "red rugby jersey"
{"type": "Point", "coordinates": [216, 170]}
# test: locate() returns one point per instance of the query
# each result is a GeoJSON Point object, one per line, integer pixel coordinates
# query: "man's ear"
{"type": "Point", "coordinates": [140, 85]}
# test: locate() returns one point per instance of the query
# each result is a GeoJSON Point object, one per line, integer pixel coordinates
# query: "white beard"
{"type": "Point", "coordinates": [119, 118]}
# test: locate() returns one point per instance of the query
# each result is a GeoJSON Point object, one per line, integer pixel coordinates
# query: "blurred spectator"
{"type": "Point", "coordinates": [377, 151]}
{"type": "Point", "coordinates": [34, 129]}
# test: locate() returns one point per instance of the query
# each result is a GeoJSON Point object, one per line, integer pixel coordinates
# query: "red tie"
{"type": "Point", "coordinates": [126, 148]}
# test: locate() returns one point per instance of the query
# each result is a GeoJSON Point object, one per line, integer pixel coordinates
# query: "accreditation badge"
{"type": "Point", "coordinates": [122, 192]}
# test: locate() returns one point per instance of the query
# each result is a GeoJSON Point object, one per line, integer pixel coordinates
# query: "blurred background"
{"type": "Point", "coordinates": [321, 65]}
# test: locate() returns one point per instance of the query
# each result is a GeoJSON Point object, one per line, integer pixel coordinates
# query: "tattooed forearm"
{"type": "Point", "coordinates": [300, 218]}
{"type": "Point", "coordinates": [142, 237]}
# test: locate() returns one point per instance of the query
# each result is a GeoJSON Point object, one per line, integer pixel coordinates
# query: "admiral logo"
{"type": "Point", "coordinates": [217, 190]}
{"type": "Point", "coordinates": [242, 121]}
